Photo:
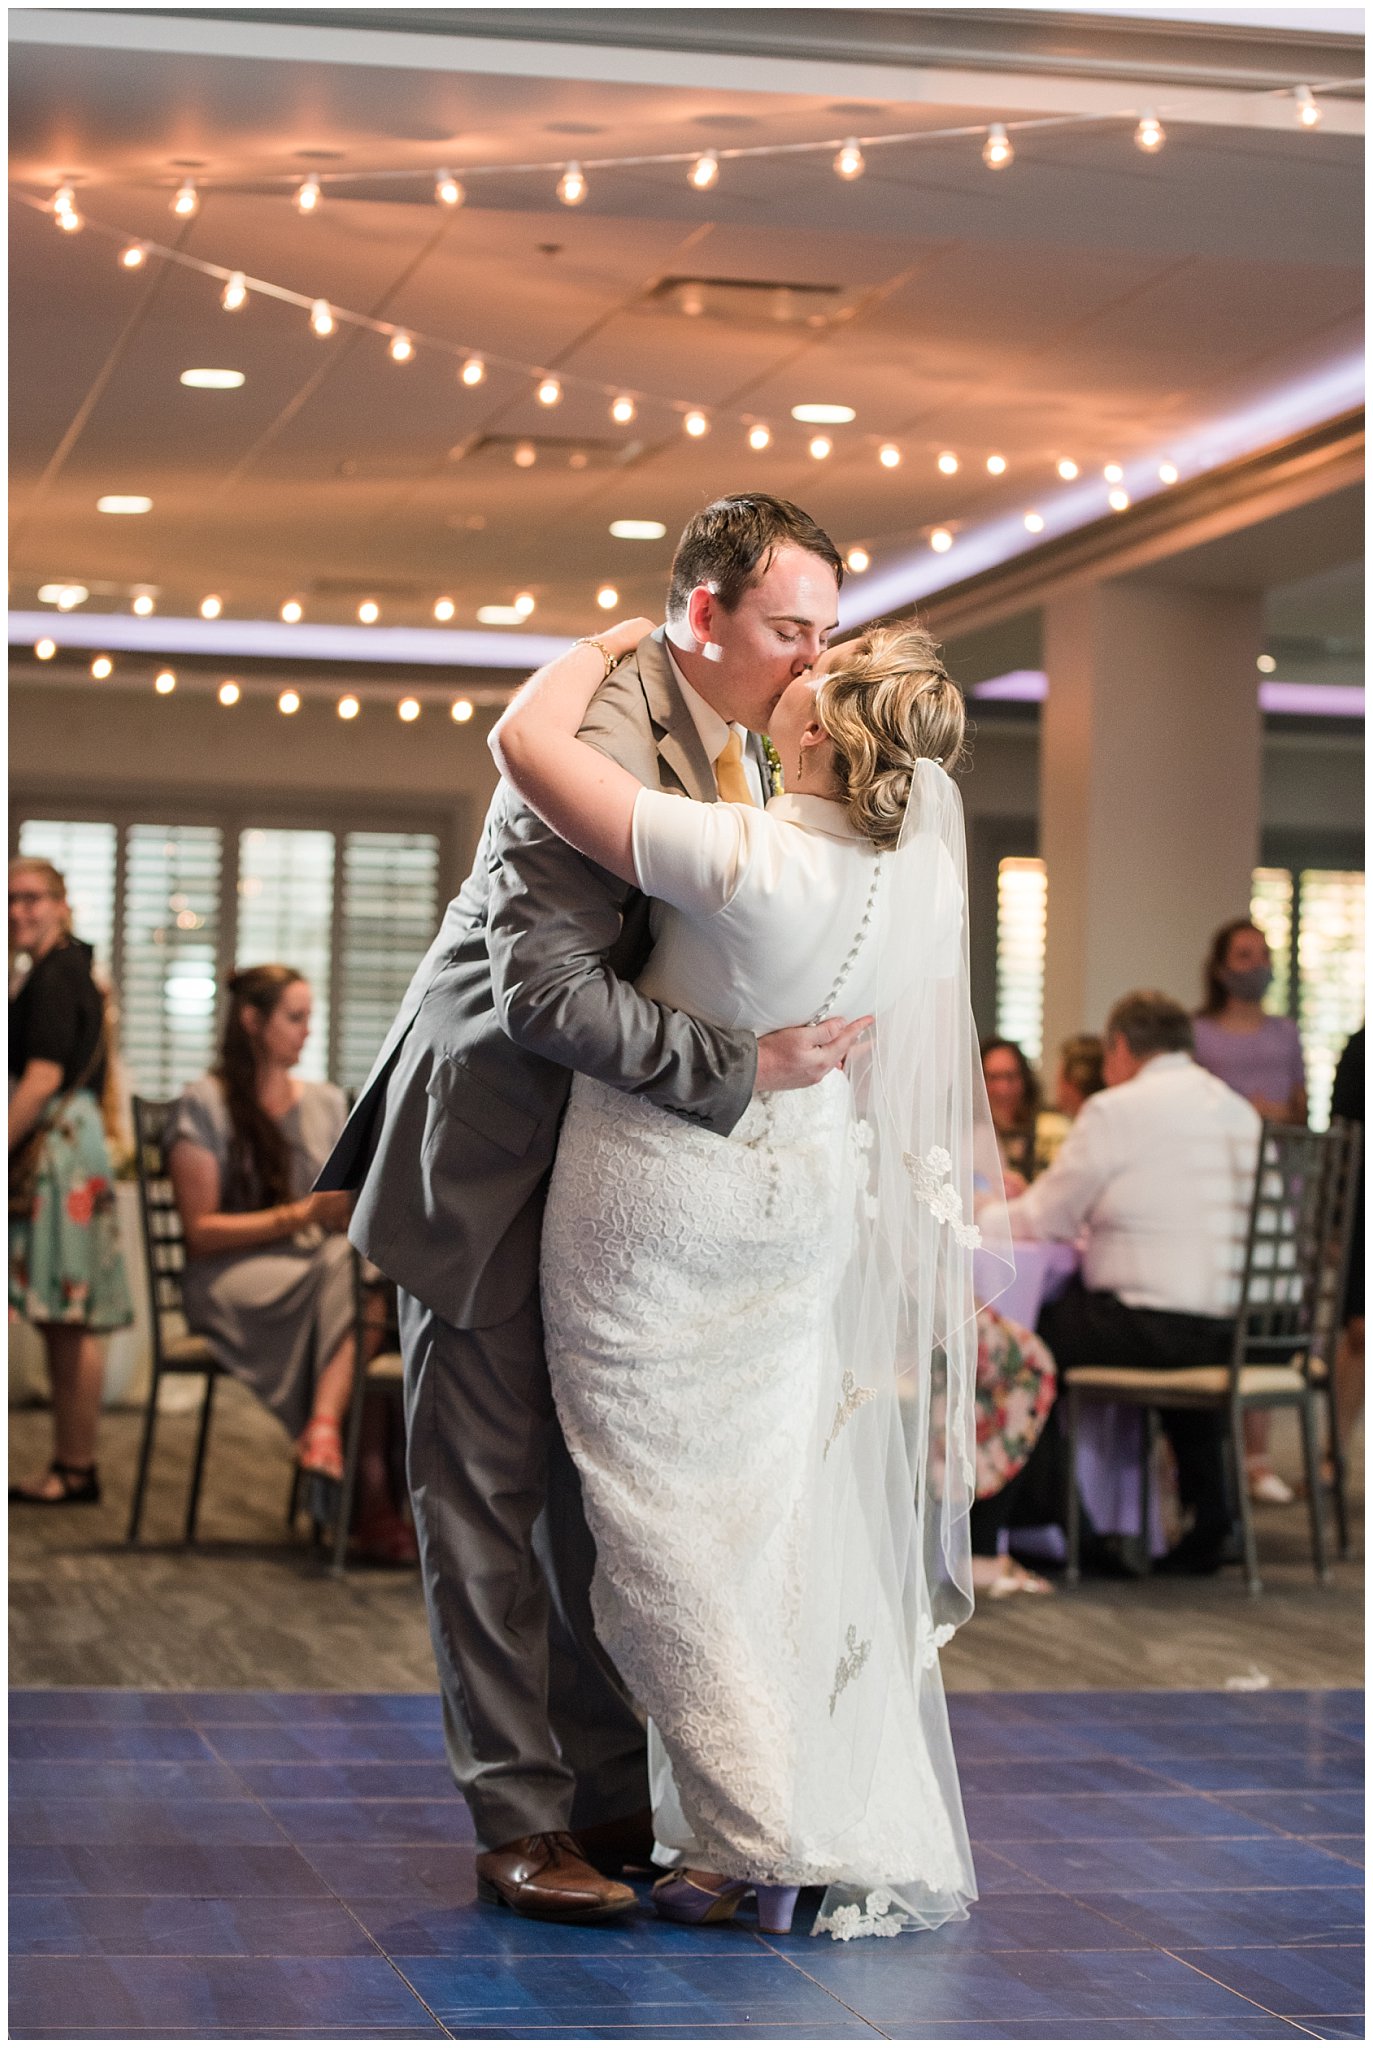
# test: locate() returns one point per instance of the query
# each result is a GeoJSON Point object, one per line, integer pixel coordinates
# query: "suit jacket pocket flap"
{"type": "Point", "coordinates": [475, 1104]}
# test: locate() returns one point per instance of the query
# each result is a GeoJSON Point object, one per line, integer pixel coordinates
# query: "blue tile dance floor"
{"type": "Point", "coordinates": [1153, 1865]}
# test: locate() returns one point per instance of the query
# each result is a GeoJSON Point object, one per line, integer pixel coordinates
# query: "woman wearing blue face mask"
{"type": "Point", "coordinates": [1260, 1057]}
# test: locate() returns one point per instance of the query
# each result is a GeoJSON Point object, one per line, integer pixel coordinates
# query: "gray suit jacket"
{"type": "Point", "coordinates": [452, 1138]}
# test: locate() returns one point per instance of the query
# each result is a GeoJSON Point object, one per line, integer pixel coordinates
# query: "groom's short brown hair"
{"type": "Point", "coordinates": [728, 546]}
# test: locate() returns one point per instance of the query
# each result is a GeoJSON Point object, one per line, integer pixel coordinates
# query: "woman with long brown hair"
{"type": "Point", "coordinates": [66, 1273]}
{"type": "Point", "coordinates": [269, 1276]}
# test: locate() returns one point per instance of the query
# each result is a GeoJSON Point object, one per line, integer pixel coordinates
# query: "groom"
{"type": "Point", "coordinates": [449, 1148]}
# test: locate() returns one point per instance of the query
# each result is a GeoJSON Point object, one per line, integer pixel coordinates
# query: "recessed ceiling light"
{"type": "Point", "coordinates": [212, 380]}
{"type": "Point", "coordinates": [637, 529]}
{"type": "Point", "coordinates": [1266, 665]}
{"type": "Point", "coordinates": [117, 503]}
{"type": "Point", "coordinates": [499, 615]}
{"type": "Point", "coordinates": [823, 415]}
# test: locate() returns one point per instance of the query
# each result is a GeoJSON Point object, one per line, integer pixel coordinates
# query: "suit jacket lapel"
{"type": "Point", "coordinates": [679, 743]}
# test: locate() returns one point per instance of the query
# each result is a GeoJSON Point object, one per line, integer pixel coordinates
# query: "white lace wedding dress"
{"type": "Point", "coordinates": [686, 1285]}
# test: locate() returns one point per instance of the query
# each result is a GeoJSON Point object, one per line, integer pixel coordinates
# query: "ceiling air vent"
{"type": "Point", "coordinates": [749, 301]}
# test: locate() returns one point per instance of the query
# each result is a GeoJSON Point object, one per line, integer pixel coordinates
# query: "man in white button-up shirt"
{"type": "Point", "coordinates": [1155, 1181]}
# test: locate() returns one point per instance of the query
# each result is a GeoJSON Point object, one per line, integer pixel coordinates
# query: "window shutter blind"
{"type": "Point", "coordinates": [171, 936]}
{"type": "Point", "coordinates": [390, 912]}
{"type": "Point", "coordinates": [285, 914]}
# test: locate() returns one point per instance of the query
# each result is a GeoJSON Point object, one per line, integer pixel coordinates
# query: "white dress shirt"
{"type": "Point", "coordinates": [1158, 1173]}
{"type": "Point", "coordinates": [713, 730]}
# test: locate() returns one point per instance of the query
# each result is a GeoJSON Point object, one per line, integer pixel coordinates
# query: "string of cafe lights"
{"type": "Point", "coordinates": [849, 157]}
{"type": "Point", "coordinates": [230, 691]}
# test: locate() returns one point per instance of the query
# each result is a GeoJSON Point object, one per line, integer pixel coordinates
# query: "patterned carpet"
{"type": "Point", "coordinates": [1153, 1865]}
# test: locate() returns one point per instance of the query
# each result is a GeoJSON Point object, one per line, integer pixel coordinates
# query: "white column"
{"type": "Point", "coordinates": [1150, 760]}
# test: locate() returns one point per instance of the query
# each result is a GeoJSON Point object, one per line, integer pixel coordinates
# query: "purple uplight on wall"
{"type": "Point", "coordinates": [1291, 700]}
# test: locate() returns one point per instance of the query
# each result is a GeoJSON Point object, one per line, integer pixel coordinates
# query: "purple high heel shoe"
{"type": "Point", "coordinates": [682, 1896]}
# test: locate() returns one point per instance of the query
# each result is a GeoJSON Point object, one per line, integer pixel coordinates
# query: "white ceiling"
{"type": "Point", "coordinates": [1088, 301]}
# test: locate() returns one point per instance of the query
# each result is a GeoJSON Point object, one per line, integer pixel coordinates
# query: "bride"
{"type": "Point", "coordinates": [763, 1347]}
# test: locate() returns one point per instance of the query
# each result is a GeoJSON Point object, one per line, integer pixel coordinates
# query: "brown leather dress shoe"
{"type": "Point", "coordinates": [613, 1845]}
{"type": "Point", "coordinates": [546, 1877]}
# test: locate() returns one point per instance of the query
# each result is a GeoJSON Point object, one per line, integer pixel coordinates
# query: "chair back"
{"type": "Point", "coordinates": [1335, 1231]}
{"type": "Point", "coordinates": [164, 1247]}
{"type": "Point", "coordinates": [1276, 1320]}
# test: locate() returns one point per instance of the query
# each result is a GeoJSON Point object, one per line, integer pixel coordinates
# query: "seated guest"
{"type": "Point", "coordinates": [1013, 1096]}
{"type": "Point", "coordinates": [1260, 1057]}
{"type": "Point", "coordinates": [1156, 1178]}
{"type": "Point", "coordinates": [269, 1273]}
{"type": "Point", "coordinates": [1079, 1075]}
{"type": "Point", "coordinates": [1014, 1396]}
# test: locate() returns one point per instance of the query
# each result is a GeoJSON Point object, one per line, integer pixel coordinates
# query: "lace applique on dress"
{"type": "Point", "coordinates": [930, 1178]}
{"type": "Point", "coordinates": [852, 1398]}
{"type": "Point", "coordinates": [849, 1665]}
{"type": "Point", "coordinates": [929, 1641]}
{"type": "Point", "coordinates": [874, 1916]}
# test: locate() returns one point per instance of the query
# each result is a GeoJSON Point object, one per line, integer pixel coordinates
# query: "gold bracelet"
{"type": "Point", "coordinates": [610, 660]}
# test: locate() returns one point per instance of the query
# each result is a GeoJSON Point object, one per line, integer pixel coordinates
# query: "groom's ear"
{"type": "Point", "coordinates": [700, 614]}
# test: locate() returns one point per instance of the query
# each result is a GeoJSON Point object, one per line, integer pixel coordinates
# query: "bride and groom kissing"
{"type": "Point", "coordinates": [670, 1153]}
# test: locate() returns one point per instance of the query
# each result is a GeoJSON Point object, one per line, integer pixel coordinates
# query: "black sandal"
{"type": "Point", "coordinates": [80, 1488]}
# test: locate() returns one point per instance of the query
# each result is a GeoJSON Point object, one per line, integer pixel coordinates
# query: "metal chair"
{"type": "Point", "coordinates": [176, 1352]}
{"type": "Point", "coordinates": [1335, 1240]}
{"type": "Point", "coordinates": [383, 1368]}
{"type": "Point", "coordinates": [1272, 1355]}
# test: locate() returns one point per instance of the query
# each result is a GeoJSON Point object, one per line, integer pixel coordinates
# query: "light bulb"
{"type": "Point", "coordinates": [473, 370]}
{"type": "Point", "coordinates": [1265, 664]}
{"type": "Point", "coordinates": [229, 693]}
{"type": "Point", "coordinates": [164, 682]}
{"type": "Point", "coordinates": [941, 540]}
{"type": "Point", "coordinates": [321, 318]}
{"type": "Point", "coordinates": [1149, 135]}
{"type": "Point", "coordinates": [187, 200]}
{"type": "Point", "coordinates": [889, 455]}
{"type": "Point", "coordinates": [1167, 473]}
{"type": "Point", "coordinates": [211, 607]}
{"type": "Point", "coordinates": [292, 611]}
{"type": "Point", "coordinates": [64, 210]}
{"type": "Point", "coordinates": [348, 707]}
{"type": "Point", "coordinates": [144, 605]}
{"type": "Point", "coordinates": [948, 463]}
{"type": "Point", "coordinates": [607, 597]}
{"type": "Point", "coordinates": [135, 256]}
{"type": "Point", "coordinates": [1067, 469]}
{"type": "Point", "coordinates": [448, 190]}
{"type": "Point", "coordinates": [309, 195]}
{"type": "Point", "coordinates": [1308, 109]}
{"type": "Point", "coordinates": [858, 559]}
{"type": "Point", "coordinates": [849, 162]}
{"type": "Point", "coordinates": [1034, 522]}
{"type": "Point", "coordinates": [623, 410]}
{"type": "Point", "coordinates": [1118, 500]}
{"type": "Point", "coordinates": [401, 349]}
{"type": "Point", "coordinates": [760, 437]}
{"type": "Point", "coordinates": [408, 709]}
{"type": "Point", "coordinates": [549, 392]}
{"type": "Point", "coordinates": [369, 611]}
{"type": "Point", "coordinates": [444, 610]}
{"type": "Point", "coordinates": [696, 424]}
{"type": "Point", "coordinates": [524, 603]}
{"type": "Point", "coordinates": [572, 186]}
{"type": "Point", "coordinates": [462, 710]}
{"type": "Point", "coordinates": [45, 649]}
{"type": "Point", "coordinates": [705, 171]}
{"type": "Point", "coordinates": [234, 294]}
{"type": "Point", "coordinates": [996, 150]}
{"type": "Point", "coordinates": [123, 504]}
{"type": "Point", "coordinates": [996, 465]}
{"type": "Point", "coordinates": [1113, 473]}
{"type": "Point", "coordinates": [288, 703]}
{"type": "Point", "coordinates": [525, 456]}
{"type": "Point", "coordinates": [101, 667]}
{"type": "Point", "coordinates": [70, 596]}
{"type": "Point", "coordinates": [821, 445]}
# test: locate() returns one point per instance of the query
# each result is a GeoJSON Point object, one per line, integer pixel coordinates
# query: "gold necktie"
{"type": "Point", "coordinates": [730, 778]}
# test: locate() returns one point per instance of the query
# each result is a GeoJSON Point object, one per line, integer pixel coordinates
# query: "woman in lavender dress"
{"type": "Point", "coordinates": [1260, 1057]}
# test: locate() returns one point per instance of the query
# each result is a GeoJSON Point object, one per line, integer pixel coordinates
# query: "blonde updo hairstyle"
{"type": "Point", "coordinates": [887, 703]}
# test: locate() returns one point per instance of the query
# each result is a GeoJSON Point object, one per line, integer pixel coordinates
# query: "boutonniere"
{"type": "Point", "coordinates": [774, 761]}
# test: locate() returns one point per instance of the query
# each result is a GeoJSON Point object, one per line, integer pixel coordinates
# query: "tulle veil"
{"type": "Point", "coordinates": [889, 1576]}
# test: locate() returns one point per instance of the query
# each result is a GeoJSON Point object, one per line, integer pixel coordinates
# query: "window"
{"type": "Point", "coordinates": [171, 908]}
{"type": "Point", "coordinates": [86, 854]}
{"type": "Point", "coordinates": [1270, 907]}
{"type": "Point", "coordinates": [1330, 957]}
{"type": "Point", "coordinates": [1021, 912]}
